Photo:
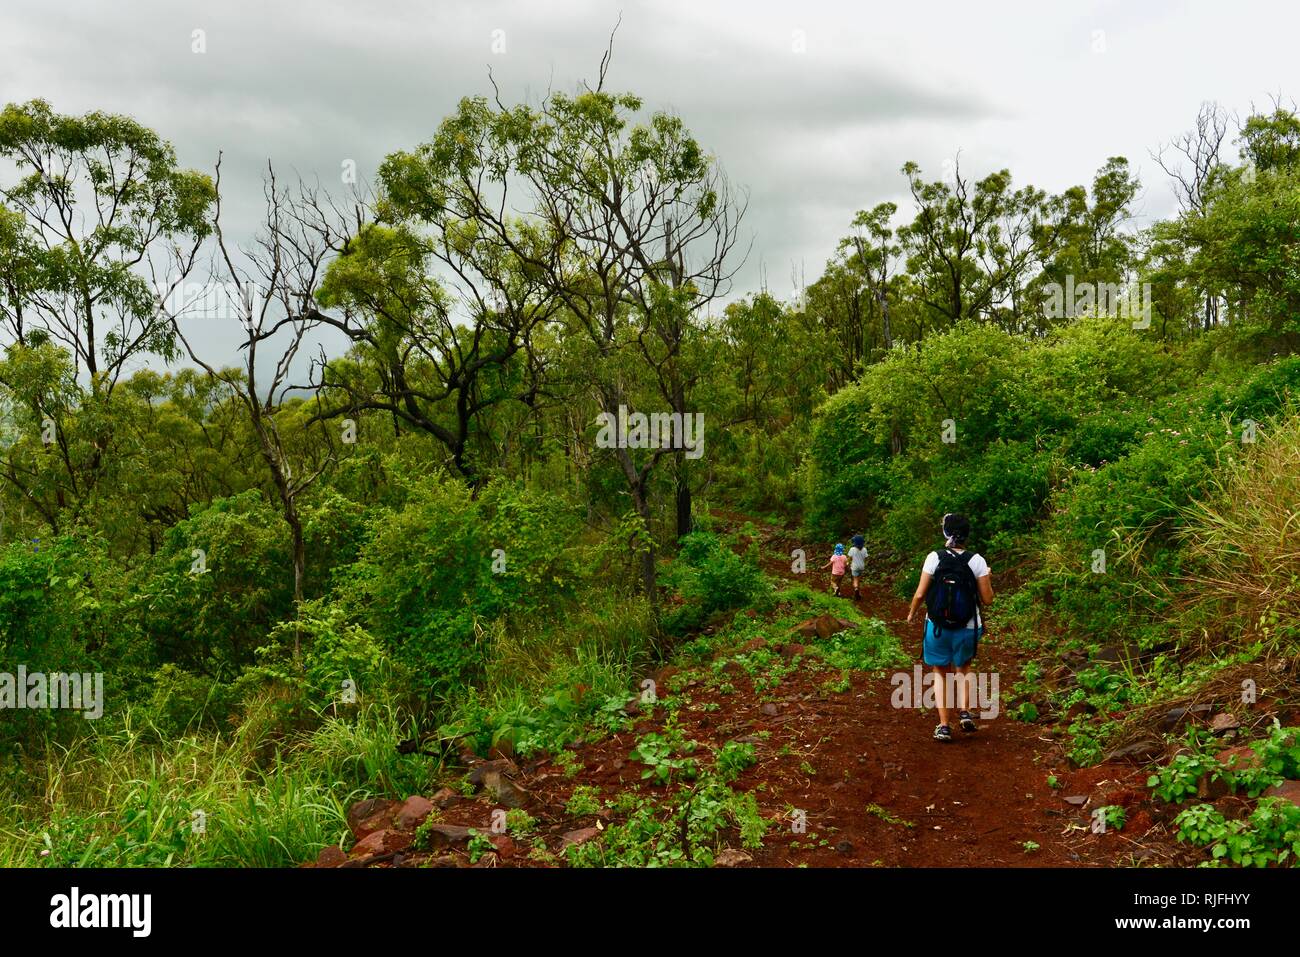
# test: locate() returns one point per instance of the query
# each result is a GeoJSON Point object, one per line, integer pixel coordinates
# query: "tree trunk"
{"type": "Point", "coordinates": [299, 572]}
{"type": "Point", "coordinates": [649, 577]}
{"type": "Point", "coordinates": [685, 522]}
{"type": "Point", "coordinates": [884, 318]}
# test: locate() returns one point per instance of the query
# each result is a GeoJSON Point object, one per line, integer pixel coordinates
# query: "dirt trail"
{"type": "Point", "coordinates": [875, 789]}
{"type": "Point", "coordinates": [981, 800]}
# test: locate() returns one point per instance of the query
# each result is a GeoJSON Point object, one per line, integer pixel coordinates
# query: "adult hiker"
{"type": "Point", "coordinates": [956, 584]}
{"type": "Point", "coordinates": [858, 564]}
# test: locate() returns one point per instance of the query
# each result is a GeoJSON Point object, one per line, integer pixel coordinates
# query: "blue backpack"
{"type": "Point", "coordinates": [953, 596]}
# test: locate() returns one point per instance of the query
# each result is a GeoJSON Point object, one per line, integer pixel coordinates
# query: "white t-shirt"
{"type": "Point", "coordinates": [859, 558]}
{"type": "Point", "coordinates": [978, 567]}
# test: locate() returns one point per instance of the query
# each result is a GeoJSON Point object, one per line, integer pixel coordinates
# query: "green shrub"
{"type": "Point", "coordinates": [709, 577]}
{"type": "Point", "coordinates": [221, 579]}
{"type": "Point", "coordinates": [184, 703]}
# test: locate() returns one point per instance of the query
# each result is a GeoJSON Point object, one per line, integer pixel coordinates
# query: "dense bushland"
{"type": "Point", "coordinates": [301, 590]}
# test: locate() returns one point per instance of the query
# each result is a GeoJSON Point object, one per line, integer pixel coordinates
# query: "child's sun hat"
{"type": "Point", "coordinates": [839, 549]}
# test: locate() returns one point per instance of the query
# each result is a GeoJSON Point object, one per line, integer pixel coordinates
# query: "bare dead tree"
{"type": "Point", "coordinates": [1191, 160]}
{"type": "Point", "coordinates": [269, 289]}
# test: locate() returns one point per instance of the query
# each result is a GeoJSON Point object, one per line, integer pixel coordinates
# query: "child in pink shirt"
{"type": "Point", "coordinates": [838, 566]}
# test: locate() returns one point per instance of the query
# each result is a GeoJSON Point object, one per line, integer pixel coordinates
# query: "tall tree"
{"type": "Point", "coordinates": [270, 289]}
{"type": "Point", "coordinates": [629, 225]}
{"type": "Point", "coordinates": [1193, 163]}
{"type": "Point", "coordinates": [437, 310]}
{"type": "Point", "coordinates": [105, 209]}
{"type": "Point", "coordinates": [973, 246]}
{"type": "Point", "coordinates": [98, 223]}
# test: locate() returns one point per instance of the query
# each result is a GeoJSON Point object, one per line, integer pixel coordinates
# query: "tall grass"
{"type": "Point", "coordinates": [589, 642]}
{"type": "Point", "coordinates": [546, 678]}
{"type": "Point", "coordinates": [130, 795]}
{"type": "Point", "coordinates": [1243, 545]}
{"type": "Point", "coordinates": [119, 798]}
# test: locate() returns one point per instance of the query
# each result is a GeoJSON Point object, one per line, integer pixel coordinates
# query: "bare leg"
{"type": "Point", "coordinates": [963, 688]}
{"type": "Point", "coordinates": [940, 699]}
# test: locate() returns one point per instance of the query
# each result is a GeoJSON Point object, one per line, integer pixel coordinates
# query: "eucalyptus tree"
{"type": "Point", "coordinates": [973, 246]}
{"type": "Point", "coordinates": [441, 316]}
{"type": "Point", "coordinates": [1094, 246]}
{"type": "Point", "coordinates": [629, 225]}
{"type": "Point", "coordinates": [97, 223]}
{"type": "Point", "coordinates": [855, 297]}
{"type": "Point", "coordinates": [109, 221]}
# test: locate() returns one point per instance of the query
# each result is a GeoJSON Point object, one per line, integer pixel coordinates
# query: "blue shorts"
{"type": "Point", "coordinates": [953, 647]}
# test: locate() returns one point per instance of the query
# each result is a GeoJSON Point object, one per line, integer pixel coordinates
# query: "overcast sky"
{"type": "Point", "coordinates": [813, 107]}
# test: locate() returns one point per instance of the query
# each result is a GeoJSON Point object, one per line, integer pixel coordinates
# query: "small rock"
{"type": "Point", "coordinates": [753, 645]}
{"type": "Point", "coordinates": [1111, 653]}
{"type": "Point", "coordinates": [581, 836]}
{"type": "Point", "coordinates": [331, 856]}
{"type": "Point", "coordinates": [500, 765]}
{"type": "Point", "coordinates": [441, 835]}
{"type": "Point", "coordinates": [1240, 758]}
{"type": "Point", "coordinates": [844, 847]}
{"type": "Point", "coordinates": [1139, 750]}
{"type": "Point", "coordinates": [1287, 791]}
{"type": "Point", "coordinates": [663, 674]}
{"type": "Point", "coordinates": [504, 790]}
{"type": "Point", "coordinates": [1211, 787]}
{"type": "Point", "coordinates": [502, 750]}
{"type": "Point", "coordinates": [1078, 800]}
{"type": "Point", "coordinates": [823, 626]}
{"type": "Point", "coordinates": [731, 857]}
{"type": "Point", "coordinates": [412, 812]}
{"type": "Point", "coordinates": [380, 842]}
{"type": "Point", "coordinates": [445, 798]}
{"type": "Point", "coordinates": [769, 709]}
{"type": "Point", "coordinates": [1222, 723]}
{"type": "Point", "coordinates": [362, 813]}
{"type": "Point", "coordinates": [378, 821]}
{"type": "Point", "coordinates": [1176, 716]}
